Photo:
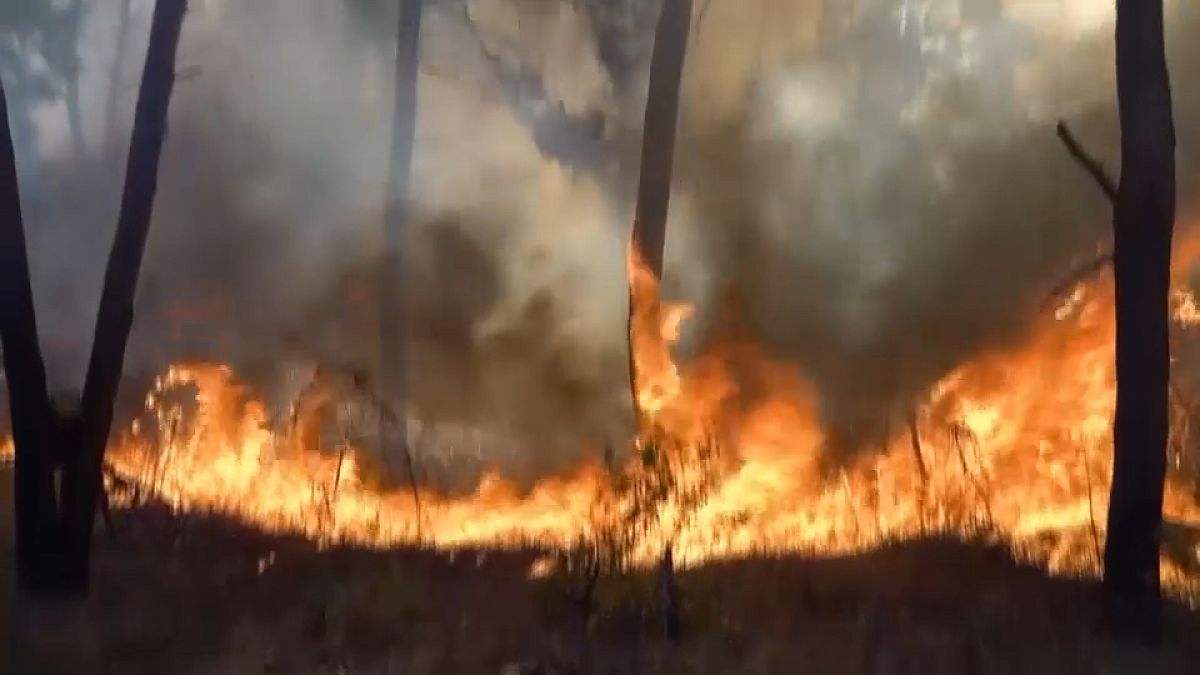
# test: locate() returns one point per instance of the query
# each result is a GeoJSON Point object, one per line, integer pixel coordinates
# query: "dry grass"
{"type": "Point", "coordinates": [206, 595]}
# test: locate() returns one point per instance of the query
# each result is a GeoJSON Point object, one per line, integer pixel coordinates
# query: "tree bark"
{"type": "Point", "coordinates": [36, 510]}
{"type": "Point", "coordinates": [1143, 221]}
{"type": "Point", "coordinates": [82, 481]}
{"type": "Point", "coordinates": [649, 235]}
{"type": "Point", "coordinates": [658, 133]}
{"type": "Point", "coordinates": [393, 427]}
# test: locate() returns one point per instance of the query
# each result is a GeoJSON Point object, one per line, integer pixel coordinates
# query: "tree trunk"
{"type": "Point", "coordinates": [658, 132]}
{"type": "Point", "coordinates": [1143, 221]}
{"type": "Point", "coordinates": [36, 510]}
{"type": "Point", "coordinates": [393, 427]}
{"type": "Point", "coordinates": [82, 480]}
{"type": "Point", "coordinates": [658, 157]}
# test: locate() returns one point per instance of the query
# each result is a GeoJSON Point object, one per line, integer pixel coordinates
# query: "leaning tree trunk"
{"type": "Point", "coordinates": [1143, 221]}
{"type": "Point", "coordinates": [36, 505]}
{"type": "Point", "coordinates": [658, 157]}
{"type": "Point", "coordinates": [393, 418]}
{"type": "Point", "coordinates": [658, 132]}
{"type": "Point", "coordinates": [82, 481]}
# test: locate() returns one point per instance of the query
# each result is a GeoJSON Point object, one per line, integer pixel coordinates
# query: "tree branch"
{"type": "Point", "coordinates": [572, 141]}
{"type": "Point", "coordinates": [1096, 170]}
{"type": "Point", "coordinates": [1091, 165]}
{"type": "Point", "coordinates": [1081, 274]}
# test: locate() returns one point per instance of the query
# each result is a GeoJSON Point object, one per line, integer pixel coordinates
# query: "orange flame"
{"type": "Point", "coordinates": [1015, 444]}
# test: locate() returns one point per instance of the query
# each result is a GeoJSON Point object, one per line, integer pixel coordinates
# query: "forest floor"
{"type": "Point", "coordinates": [203, 594]}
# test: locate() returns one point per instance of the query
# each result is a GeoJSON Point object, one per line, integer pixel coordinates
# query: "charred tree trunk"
{"type": "Point", "coordinates": [83, 479]}
{"type": "Point", "coordinates": [658, 155]}
{"type": "Point", "coordinates": [658, 132]}
{"type": "Point", "coordinates": [393, 427]}
{"type": "Point", "coordinates": [36, 509]}
{"type": "Point", "coordinates": [1143, 221]}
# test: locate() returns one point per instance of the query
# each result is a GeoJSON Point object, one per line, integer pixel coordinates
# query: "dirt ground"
{"type": "Point", "coordinates": [202, 594]}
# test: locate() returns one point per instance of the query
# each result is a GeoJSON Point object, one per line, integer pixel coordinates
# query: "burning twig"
{"type": "Point", "coordinates": [1087, 474]}
{"type": "Point", "coordinates": [669, 593]}
{"type": "Point", "coordinates": [105, 512]}
{"type": "Point", "coordinates": [961, 435]}
{"type": "Point", "coordinates": [337, 474]}
{"type": "Point", "coordinates": [1078, 276]}
{"type": "Point", "coordinates": [915, 435]}
{"type": "Point", "coordinates": [387, 416]}
{"type": "Point", "coordinates": [849, 493]}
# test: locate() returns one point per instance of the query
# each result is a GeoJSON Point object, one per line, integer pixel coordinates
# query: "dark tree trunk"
{"type": "Point", "coordinates": [393, 427]}
{"type": "Point", "coordinates": [1143, 221]}
{"type": "Point", "coordinates": [82, 480]}
{"type": "Point", "coordinates": [36, 510]}
{"type": "Point", "coordinates": [658, 158]}
{"type": "Point", "coordinates": [658, 133]}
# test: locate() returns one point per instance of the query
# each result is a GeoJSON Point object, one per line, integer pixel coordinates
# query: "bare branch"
{"type": "Point", "coordinates": [1093, 167]}
{"type": "Point", "coordinates": [1080, 275]}
{"type": "Point", "coordinates": [575, 142]}
{"type": "Point", "coordinates": [1096, 170]}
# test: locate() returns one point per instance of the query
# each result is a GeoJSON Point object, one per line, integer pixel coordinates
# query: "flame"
{"type": "Point", "coordinates": [1015, 444]}
{"type": "Point", "coordinates": [1183, 307]}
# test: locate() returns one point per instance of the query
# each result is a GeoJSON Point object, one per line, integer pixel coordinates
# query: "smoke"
{"type": "Point", "coordinates": [888, 202]}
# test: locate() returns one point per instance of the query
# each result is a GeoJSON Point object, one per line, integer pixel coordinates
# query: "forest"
{"type": "Point", "coordinates": [545, 337]}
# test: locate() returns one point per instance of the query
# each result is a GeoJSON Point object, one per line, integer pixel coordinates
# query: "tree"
{"type": "Point", "coordinates": [1143, 220]}
{"type": "Point", "coordinates": [649, 236]}
{"type": "Point", "coordinates": [575, 141]}
{"type": "Point", "coordinates": [394, 432]}
{"type": "Point", "coordinates": [658, 132]}
{"type": "Point", "coordinates": [54, 531]}
{"type": "Point", "coordinates": [29, 402]}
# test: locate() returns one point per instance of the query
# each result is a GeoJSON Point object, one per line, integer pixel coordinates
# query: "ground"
{"type": "Point", "coordinates": [203, 594]}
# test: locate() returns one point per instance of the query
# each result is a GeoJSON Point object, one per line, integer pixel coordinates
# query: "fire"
{"type": "Point", "coordinates": [1183, 307]}
{"type": "Point", "coordinates": [1015, 444]}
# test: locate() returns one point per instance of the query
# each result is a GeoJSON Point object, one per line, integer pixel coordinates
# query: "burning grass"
{"type": "Point", "coordinates": [1013, 446]}
{"type": "Point", "coordinates": [207, 594]}
{"type": "Point", "coordinates": [1010, 450]}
